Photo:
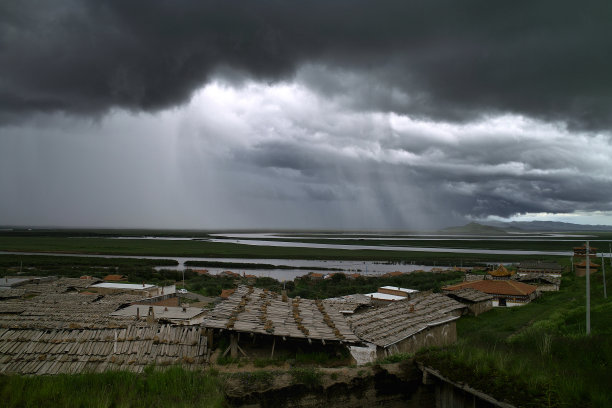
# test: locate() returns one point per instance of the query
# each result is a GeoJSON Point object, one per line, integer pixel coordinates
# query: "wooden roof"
{"type": "Point", "coordinates": [60, 285]}
{"type": "Point", "coordinates": [226, 293]}
{"type": "Point", "coordinates": [539, 277]}
{"type": "Point", "coordinates": [255, 310]}
{"type": "Point", "coordinates": [113, 278]}
{"type": "Point", "coordinates": [57, 306]}
{"type": "Point", "coordinates": [34, 351]}
{"type": "Point", "coordinates": [399, 320]}
{"type": "Point", "coordinates": [470, 294]}
{"type": "Point", "coordinates": [496, 287]}
{"type": "Point", "coordinates": [583, 264]}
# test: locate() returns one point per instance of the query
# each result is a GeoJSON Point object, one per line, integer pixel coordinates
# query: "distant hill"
{"type": "Point", "coordinates": [546, 226]}
{"type": "Point", "coordinates": [474, 228]}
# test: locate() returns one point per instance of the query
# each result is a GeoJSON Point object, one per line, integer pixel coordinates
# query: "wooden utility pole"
{"type": "Point", "coordinates": [588, 291]}
{"type": "Point", "coordinates": [603, 269]}
{"type": "Point", "coordinates": [585, 252]}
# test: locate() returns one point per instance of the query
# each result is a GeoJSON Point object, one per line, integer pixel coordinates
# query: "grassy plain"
{"type": "Point", "coordinates": [174, 387]}
{"type": "Point", "coordinates": [148, 247]}
{"type": "Point", "coordinates": [512, 243]}
{"type": "Point", "coordinates": [537, 355]}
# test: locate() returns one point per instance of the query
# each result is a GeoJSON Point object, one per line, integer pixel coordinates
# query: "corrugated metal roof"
{"type": "Point", "coordinates": [126, 286]}
{"type": "Point", "coordinates": [405, 290]}
{"type": "Point", "coordinates": [385, 296]}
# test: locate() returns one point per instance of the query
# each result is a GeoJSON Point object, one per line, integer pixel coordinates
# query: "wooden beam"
{"type": "Point", "coordinates": [209, 338]}
{"type": "Point", "coordinates": [233, 346]}
{"type": "Point", "coordinates": [273, 344]}
{"type": "Point", "coordinates": [241, 350]}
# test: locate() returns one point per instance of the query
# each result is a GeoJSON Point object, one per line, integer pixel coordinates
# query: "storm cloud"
{"type": "Point", "coordinates": [281, 156]}
{"type": "Point", "coordinates": [292, 114]}
{"type": "Point", "coordinates": [440, 59]}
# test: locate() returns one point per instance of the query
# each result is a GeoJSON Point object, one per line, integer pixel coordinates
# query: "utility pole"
{"type": "Point", "coordinates": [588, 291]}
{"type": "Point", "coordinates": [603, 269]}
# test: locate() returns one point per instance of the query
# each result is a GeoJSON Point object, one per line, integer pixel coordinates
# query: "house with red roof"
{"type": "Point", "coordinates": [504, 292]}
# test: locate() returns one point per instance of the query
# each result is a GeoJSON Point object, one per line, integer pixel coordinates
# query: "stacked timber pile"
{"type": "Point", "coordinates": [65, 310]}
{"type": "Point", "coordinates": [397, 321]}
{"type": "Point", "coordinates": [253, 310]}
{"type": "Point", "coordinates": [38, 352]}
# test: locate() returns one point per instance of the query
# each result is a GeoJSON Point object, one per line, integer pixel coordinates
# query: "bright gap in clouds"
{"type": "Point", "coordinates": [283, 156]}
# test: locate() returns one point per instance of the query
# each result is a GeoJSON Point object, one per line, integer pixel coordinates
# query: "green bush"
{"type": "Point", "coordinates": [306, 375]}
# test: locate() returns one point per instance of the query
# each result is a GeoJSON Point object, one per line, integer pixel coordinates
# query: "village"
{"type": "Point", "coordinates": [52, 325]}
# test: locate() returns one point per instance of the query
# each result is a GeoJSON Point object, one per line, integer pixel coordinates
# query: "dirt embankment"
{"type": "Point", "coordinates": [390, 385]}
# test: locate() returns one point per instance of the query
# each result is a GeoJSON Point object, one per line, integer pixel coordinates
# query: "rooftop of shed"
{"type": "Point", "coordinates": [470, 294]}
{"type": "Point", "coordinates": [399, 320]}
{"type": "Point", "coordinates": [255, 310]}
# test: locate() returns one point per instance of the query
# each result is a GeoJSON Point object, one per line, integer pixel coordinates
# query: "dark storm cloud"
{"type": "Point", "coordinates": [497, 168]}
{"type": "Point", "coordinates": [441, 59]}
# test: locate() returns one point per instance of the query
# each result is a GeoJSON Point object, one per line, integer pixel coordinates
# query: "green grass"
{"type": "Point", "coordinates": [396, 358]}
{"type": "Point", "coordinates": [537, 354]}
{"type": "Point", "coordinates": [173, 387]}
{"type": "Point", "coordinates": [148, 247]}
{"type": "Point", "coordinates": [308, 376]}
{"type": "Point", "coordinates": [508, 243]}
{"type": "Point", "coordinates": [256, 378]}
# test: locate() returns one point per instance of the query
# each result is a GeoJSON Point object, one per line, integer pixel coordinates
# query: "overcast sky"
{"type": "Point", "coordinates": [336, 114]}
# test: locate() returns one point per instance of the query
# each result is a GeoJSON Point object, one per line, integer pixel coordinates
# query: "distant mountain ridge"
{"type": "Point", "coordinates": [474, 228]}
{"type": "Point", "coordinates": [546, 226]}
{"type": "Point", "coordinates": [502, 228]}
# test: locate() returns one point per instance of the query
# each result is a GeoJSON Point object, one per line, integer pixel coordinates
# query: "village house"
{"type": "Point", "coordinates": [540, 267]}
{"type": "Point", "coordinates": [405, 327]}
{"type": "Point", "coordinates": [226, 293]}
{"type": "Point", "coordinates": [144, 289]}
{"type": "Point", "coordinates": [387, 294]}
{"type": "Point", "coordinates": [392, 274]}
{"type": "Point", "coordinates": [476, 301]}
{"type": "Point", "coordinates": [63, 327]}
{"type": "Point", "coordinates": [505, 292]}
{"type": "Point", "coordinates": [265, 314]}
{"type": "Point", "coordinates": [115, 278]}
{"type": "Point", "coordinates": [581, 268]}
{"type": "Point", "coordinates": [471, 277]}
{"type": "Point", "coordinates": [229, 274]}
{"type": "Point", "coordinates": [545, 282]}
{"type": "Point", "coordinates": [31, 351]}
